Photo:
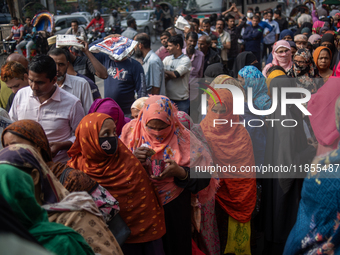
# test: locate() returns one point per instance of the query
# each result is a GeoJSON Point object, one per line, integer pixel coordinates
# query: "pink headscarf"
{"type": "Point", "coordinates": [284, 59]}
{"type": "Point", "coordinates": [110, 107]}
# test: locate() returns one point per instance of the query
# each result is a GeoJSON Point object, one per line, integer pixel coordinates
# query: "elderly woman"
{"type": "Point", "coordinates": [301, 41]}
{"type": "Point", "coordinates": [110, 107]}
{"type": "Point", "coordinates": [76, 210]}
{"type": "Point", "coordinates": [315, 40]}
{"type": "Point", "coordinates": [31, 133]}
{"type": "Point", "coordinates": [282, 56]}
{"type": "Point", "coordinates": [322, 57]}
{"type": "Point", "coordinates": [17, 188]}
{"type": "Point", "coordinates": [99, 153]}
{"type": "Point", "coordinates": [316, 230]}
{"type": "Point", "coordinates": [304, 70]}
{"type": "Point", "coordinates": [159, 133]}
{"type": "Point", "coordinates": [137, 106]}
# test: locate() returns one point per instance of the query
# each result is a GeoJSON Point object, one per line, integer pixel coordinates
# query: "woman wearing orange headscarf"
{"type": "Point", "coordinates": [158, 128]}
{"type": "Point", "coordinates": [236, 198]}
{"type": "Point", "coordinates": [323, 58]}
{"type": "Point", "coordinates": [99, 153]}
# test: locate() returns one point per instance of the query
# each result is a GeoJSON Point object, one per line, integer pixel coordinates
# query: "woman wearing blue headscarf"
{"type": "Point", "coordinates": [251, 77]}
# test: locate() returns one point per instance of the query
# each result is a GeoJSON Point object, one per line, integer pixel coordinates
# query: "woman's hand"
{"type": "Point", "coordinates": [142, 153]}
{"type": "Point", "coordinates": [173, 170]}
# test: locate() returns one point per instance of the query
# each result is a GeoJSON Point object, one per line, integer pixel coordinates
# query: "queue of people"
{"type": "Point", "coordinates": [135, 171]}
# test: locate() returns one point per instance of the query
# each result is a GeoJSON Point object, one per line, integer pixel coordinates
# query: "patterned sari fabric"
{"type": "Point", "coordinates": [316, 230]}
{"type": "Point", "coordinates": [17, 188]}
{"type": "Point", "coordinates": [123, 176]}
{"type": "Point", "coordinates": [305, 74]}
{"type": "Point", "coordinates": [232, 146]}
{"type": "Point", "coordinates": [76, 210]}
{"type": "Point", "coordinates": [110, 107]}
{"type": "Point", "coordinates": [72, 179]}
{"type": "Point", "coordinates": [174, 142]}
{"type": "Point", "coordinates": [254, 79]}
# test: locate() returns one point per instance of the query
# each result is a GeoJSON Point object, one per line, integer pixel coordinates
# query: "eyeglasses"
{"type": "Point", "coordinates": [300, 62]}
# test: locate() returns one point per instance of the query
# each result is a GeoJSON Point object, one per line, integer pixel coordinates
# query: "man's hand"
{"type": "Point", "coordinates": [58, 146]}
{"type": "Point", "coordinates": [173, 170]}
{"type": "Point", "coordinates": [113, 35]}
{"type": "Point", "coordinates": [86, 45]}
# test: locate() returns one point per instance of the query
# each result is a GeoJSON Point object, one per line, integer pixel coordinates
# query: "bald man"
{"type": "Point", "coordinates": [5, 92]}
{"type": "Point", "coordinates": [152, 65]}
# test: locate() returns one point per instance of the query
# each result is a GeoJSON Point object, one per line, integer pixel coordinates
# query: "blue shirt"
{"type": "Point", "coordinates": [125, 79]}
{"type": "Point", "coordinates": [154, 72]}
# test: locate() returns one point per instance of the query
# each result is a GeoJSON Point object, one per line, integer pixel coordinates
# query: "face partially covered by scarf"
{"type": "Point", "coordinates": [302, 69]}
{"type": "Point", "coordinates": [283, 59]}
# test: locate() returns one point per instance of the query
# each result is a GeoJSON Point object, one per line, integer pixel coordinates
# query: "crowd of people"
{"type": "Point", "coordinates": [82, 173]}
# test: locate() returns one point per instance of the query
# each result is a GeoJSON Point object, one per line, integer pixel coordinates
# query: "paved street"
{"type": "Point", "coordinates": [100, 82]}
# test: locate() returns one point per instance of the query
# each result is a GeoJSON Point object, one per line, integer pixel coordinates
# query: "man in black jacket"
{"type": "Point", "coordinates": [210, 56]}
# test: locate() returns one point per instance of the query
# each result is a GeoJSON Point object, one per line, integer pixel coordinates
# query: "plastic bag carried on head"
{"type": "Point", "coordinates": [117, 48]}
{"type": "Point", "coordinates": [181, 23]}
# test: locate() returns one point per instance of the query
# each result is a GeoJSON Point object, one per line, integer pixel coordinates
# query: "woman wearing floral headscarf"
{"type": "Point", "coordinates": [282, 56]}
{"type": "Point", "coordinates": [304, 70]}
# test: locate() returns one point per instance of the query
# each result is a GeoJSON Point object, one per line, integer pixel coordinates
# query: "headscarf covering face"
{"type": "Point", "coordinates": [316, 55]}
{"type": "Point", "coordinates": [110, 107]}
{"type": "Point", "coordinates": [286, 32]}
{"type": "Point", "coordinates": [174, 142]}
{"type": "Point", "coordinates": [283, 59]}
{"type": "Point", "coordinates": [33, 132]}
{"type": "Point", "coordinates": [254, 79]}
{"type": "Point", "coordinates": [305, 74]}
{"type": "Point", "coordinates": [226, 79]}
{"type": "Point", "coordinates": [317, 26]}
{"type": "Point", "coordinates": [231, 145]}
{"type": "Point", "coordinates": [139, 103]}
{"type": "Point", "coordinates": [122, 175]}
{"type": "Point", "coordinates": [17, 188]}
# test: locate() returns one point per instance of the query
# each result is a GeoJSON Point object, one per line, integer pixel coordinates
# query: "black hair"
{"type": "Point", "coordinates": [270, 11]}
{"type": "Point", "coordinates": [166, 33]}
{"type": "Point", "coordinates": [257, 9]}
{"type": "Point", "coordinates": [130, 22]}
{"type": "Point", "coordinates": [58, 52]}
{"type": "Point", "coordinates": [206, 21]}
{"type": "Point", "coordinates": [250, 9]}
{"type": "Point", "coordinates": [75, 21]}
{"type": "Point", "coordinates": [43, 64]}
{"type": "Point", "coordinates": [177, 39]}
{"type": "Point", "coordinates": [143, 39]}
{"type": "Point", "coordinates": [229, 16]}
{"type": "Point", "coordinates": [15, 18]}
{"type": "Point", "coordinates": [188, 17]}
{"type": "Point", "coordinates": [193, 35]}
{"type": "Point", "coordinates": [275, 67]}
{"type": "Point", "coordinates": [213, 37]}
{"type": "Point", "coordinates": [278, 6]}
{"type": "Point", "coordinates": [258, 13]}
{"type": "Point", "coordinates": [257, 17]}
{"type": "Point", "coordinates": [278, 12]}
{"type": "Point", "coordinates": [196, 21]}
{"type": "Point", "coordinates": [220, 19]}
{"type": "Point", "coordinates": [28, 18]}
{"type": "Point", "coordinates": [213, 17]}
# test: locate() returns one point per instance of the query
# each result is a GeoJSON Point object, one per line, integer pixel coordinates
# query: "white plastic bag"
{"type": "Point", "coordinates": [68, 40]}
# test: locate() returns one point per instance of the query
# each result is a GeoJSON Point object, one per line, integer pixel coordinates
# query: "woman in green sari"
{"type": "Point", "coordinates": [17, 188]}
